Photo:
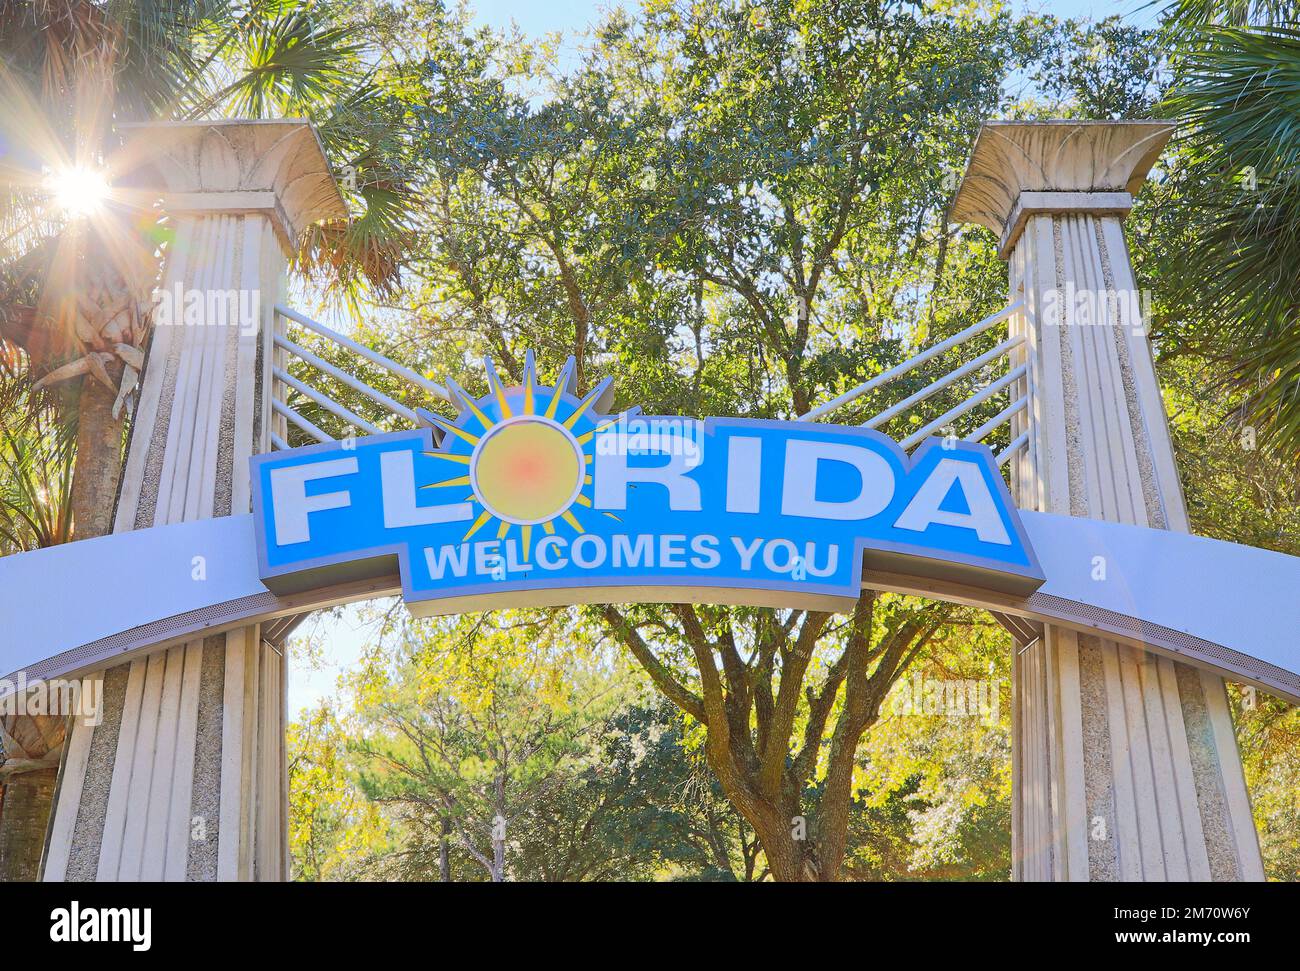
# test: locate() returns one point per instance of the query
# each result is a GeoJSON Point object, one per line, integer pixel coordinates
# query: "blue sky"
{"type": "Point", "coordinates": [342, 639]}
{"type": "Point", "coordinates": [537, 17]}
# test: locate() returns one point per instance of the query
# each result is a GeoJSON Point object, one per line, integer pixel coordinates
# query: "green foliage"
{"type": "Point", "coordinates": [1238, 92]}
{"type": "Point", "coordinates": [1268, 734]}
{"type": "Point", "coordinates": [643, 807]}
{"type": "Point", "coordinates": [466, 723]}
{"type": "Point", "coordinates": [723, 235]}
{"type": "Point", "coordinates": [1236, 489]}
{"type": "Point", "coordinates": [936, 770]}
{"type": "Point", "coordinates": [1096, 69]}
{"type": "Point", "coordinates": [733, 208]}
{"type": "Point", "coordinates": [334, 833]}
{"type": "Point", "coordinates": [741, 210]}
{"type": "Point", "coordinates": [36, 453]}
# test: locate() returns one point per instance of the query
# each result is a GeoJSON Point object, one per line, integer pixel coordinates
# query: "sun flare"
{"type": "Point", "coordinates": [78, 191]}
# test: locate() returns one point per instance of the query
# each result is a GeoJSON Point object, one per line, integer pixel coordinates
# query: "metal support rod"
{"type": "Point", "coordinates": [333, 407]}
{"type": "Point", "coordinates": [433, 387]}
{"type": "Point", "coordinates": [965, 406]}
{"type": "Point", "coordinates": [944, 381]}
{"type": "Point", "coordinates": [1002, 416]}
{"type": "Point", "coordinates": [282, 409]}
{"type": "Point", "coordinates": [1019, 442]}
{"type": "Point", "coordinates": [912, 362]}
{"type": "Point", "coordinates": [323, 365]}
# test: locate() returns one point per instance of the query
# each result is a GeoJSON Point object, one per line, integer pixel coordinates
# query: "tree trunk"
{"type": "Point", "coordinates": [498, 867]}
{"type": "Point", "coordinates": [29, 761]}
{"type": "Point", "coordinates": [25, 802]}
{"type": "Point", "coordinates": [499, 831]}
{"type": "Point", "coordinates": [444, 853]}
{"type": "Point", "coordinates": [787, 858]}
{"type": "Point", "coordinates": [99, 461]}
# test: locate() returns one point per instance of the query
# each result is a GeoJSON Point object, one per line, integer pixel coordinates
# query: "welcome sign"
{"type": "Point", "coordinates": [534, 497]}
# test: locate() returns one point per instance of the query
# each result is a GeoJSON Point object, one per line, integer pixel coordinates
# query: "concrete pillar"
{"type": "Point", "coordinates": [1125, 762]}
{"type": "Point", "coordinates": [185, 778]}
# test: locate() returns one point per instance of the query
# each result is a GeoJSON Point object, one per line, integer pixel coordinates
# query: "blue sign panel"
{"type": "Point", "coordinates": [533, 497]}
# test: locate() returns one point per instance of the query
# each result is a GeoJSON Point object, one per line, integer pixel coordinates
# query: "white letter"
{"type": "Point", "coordinates": [512, 558]}
{"type": "Point", "coordinates": [983, 516]}
{"type": "Point", "coordinates": [142, 928]}
{"type": "Point", "coordinates": [744, 463]}
{"type": "Point", "coordinates": [832, 559]}
{"type": "Point", "coordinates": [486, 557]}
{"type": "Point", "coordinates": [799, 491]}
{"type": "Point", "coordinates": [456, 557]}
{"type": "Point", "coordinates": [544, 546]}
{"type": "Point", "coordinates": [746, 552]}
{"type": "Point", "coordinates": [671, 551]}
{"type": "Point", "coordinates": [582, 560]}
{"type": "Point", "coordinates": [249, 304]}
{"type": "Point", "coordinates": [397, 475]}
{"type": "Point", "coordinates": [705, 548]}
{"type": "Point", "coordinates": [613, 476]}
{"type": "Point", "coordinates": [769, 555]}
{"type": "Point", "coordinates": [627, 554]}
{"type": "Point", "coordinates": [291, 504]}
{"type": "Point", "coordinates": [162, 309]}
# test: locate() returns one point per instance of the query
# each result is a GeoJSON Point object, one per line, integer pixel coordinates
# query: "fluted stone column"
{"type": "Point", "coordinates": [1125, 762]}
{"type": "Point", "coordinates": [185, 778]}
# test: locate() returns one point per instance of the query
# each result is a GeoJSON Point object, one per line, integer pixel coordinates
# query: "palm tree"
{"type": "Point", "coordinates": [78, 261]}
{"type": "Point", "coordinates": [27, 779]}
{"type": "Point", "coordinates": [35, 479]}
{"type": "Point", "coordinates": [76, 271]}
{"type": "Point", "coordinates": [1239, 89]}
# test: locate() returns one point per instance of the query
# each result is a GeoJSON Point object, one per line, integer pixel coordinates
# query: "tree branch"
{"type": "Point", "coordinates": [675, 691]}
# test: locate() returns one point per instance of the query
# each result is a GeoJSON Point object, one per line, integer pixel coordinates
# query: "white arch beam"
{"type": "Point", "coordinates": [1216, 605]}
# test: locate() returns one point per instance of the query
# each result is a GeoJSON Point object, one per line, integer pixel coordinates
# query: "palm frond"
{"type": "Point", "coordinates": [1240, 93]}
{"type": "Point", "coordinates": [1192, 15]}
{"type": "Point", "coordinates": [37, 452]}
{"type": "Point", "coordinates": [289, 65]}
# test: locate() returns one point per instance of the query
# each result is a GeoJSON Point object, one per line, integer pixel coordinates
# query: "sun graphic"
{"type": "Point", "coordinates": [529, 451]}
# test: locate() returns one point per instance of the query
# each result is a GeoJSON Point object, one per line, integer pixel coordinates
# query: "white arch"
{"type": "Point", "coordinates": [1217, 605]}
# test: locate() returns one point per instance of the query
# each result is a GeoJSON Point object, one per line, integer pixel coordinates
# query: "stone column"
{"type": "Point", "coordinates": [185, 778]}
{"type": "Point", "coordinates": [1125, 762]}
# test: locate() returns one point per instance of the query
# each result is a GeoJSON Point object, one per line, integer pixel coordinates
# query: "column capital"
{"type": "Point", "coordinates": [1019, 168]}
{"type": "Point", "coordinates": [272, 166]}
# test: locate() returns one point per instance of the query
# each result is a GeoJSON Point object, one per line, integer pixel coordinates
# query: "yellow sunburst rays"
{"type": "Point", "coordinates": [453, 434]}
{"type": "Point", "coordinates": [530, 382]}
{"type": "Point", "coordinates": [561, 387]}
{"type": "Point", "coordinates": [469, 410]}
{"type": "Point", "coordinates": [587, 401]}
{"type": "Point", "coordinates": [461, 438]}
{"type": "Point", "coordinates": [498, 389]}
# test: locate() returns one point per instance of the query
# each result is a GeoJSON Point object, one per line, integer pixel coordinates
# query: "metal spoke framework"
{"type": "Point", "coordinates": [287, 349]}
{"type": "Point", "coordinates": [1011, 386]}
